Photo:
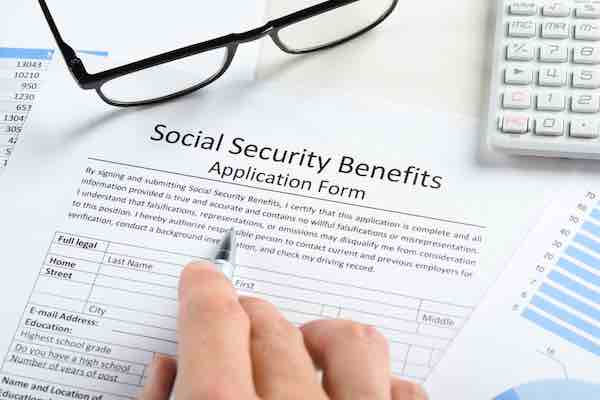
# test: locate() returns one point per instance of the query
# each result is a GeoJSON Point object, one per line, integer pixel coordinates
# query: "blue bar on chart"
{"type": "Point", "coordinates": [575, 287]}
{"type": "Point", "coordinates": [595, 214]}
{"type": "Point", "coordinates": [583, 257]}
{"type": "Point", "coordinates": [26, 54]}
{"type": "Point", "coordinates": [571, 301]}
{"type": "Point", "coordinates": [587, 242]}
{"type": "Point", "coordinates": [568, 304]}
{"type": "Point", "coordinates": [592, 228]}
{"type": "Point", "coordinates": [579, 272]}
{"type": "Point", "coordinates": [566, 316]}
{"type": "Point", "coordinates": [559, 330]}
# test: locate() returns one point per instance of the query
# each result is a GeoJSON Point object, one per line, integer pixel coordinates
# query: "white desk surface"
{"type": "Point", "coordinates": [434, 55]}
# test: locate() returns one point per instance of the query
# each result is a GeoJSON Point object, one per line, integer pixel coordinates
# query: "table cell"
{"type": "Point", "coordinates": [41, 299]}
{"type": "Point", "coordinates": [56, 320]}
{"type": "Point", "coordinates": [91, 256]}
{"type": "Point", "coordinates": [86, 346]}
{"type": "Point", "coordinates": [61, 386]}
{"type": "Point", "coordinates": [142, 264]}
{"type": "Point", "coordinates": [148, 277]}
{"type": "Point", "coordinates": [61, 287]}
{"type": "Point", "coordinates": [19, 365]}
{"type": "Point", "coordinates": [419, 355]}
{"type": "Point", "coordinates": [68, 275]}
{"type": "Point", "coordinates": [327, 287]}
{"type": "Point", "coordinates": [135, 287]}
{"type": "Point", "coordinates": [398, 351]}
{"type": "Point", "coordinates": [440, 320]}
{"type": "Point", "coordinates": [134, 316]}
{"type": "Point", "coordinates": [70, 263]}
{"type": "Point", "coordinates": [313, 309]}
{"type": "Point", "coordinates": [436, 357]}
{"type": "Point", "coordinates": [415, 339]}
{"type": "Point", "coordinates": [282, 289]}
{"type": "Point", "coordinates": [379, 321]}
{"type": "Point", "coordinates": [80, 242]}
{"type": "Point", "coordinates": [446, 309]}
{"type": "Point", "coordinates": [437, 332]}
{"type": "Point", "coordinates": [141, 338]}
{"type": "Point", "coordinates": [139, 302]}
{"type": "Point", "coordinates": [414, 371]}
{"type": "Point", "coordinates": [145, 253]}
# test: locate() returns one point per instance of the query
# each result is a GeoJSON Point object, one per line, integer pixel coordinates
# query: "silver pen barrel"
{"type": "Point", "coordinates": [226, 254]}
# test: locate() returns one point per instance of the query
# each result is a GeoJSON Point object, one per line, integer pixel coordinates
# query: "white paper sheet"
{"type": "Point", "coordinates": [537, 333]}
{"type": "Point", "coordinates": [134, 29]}
{"type": "Point", "coordinates": [104, 211]}
{"type": "Point", "coordinates": [117, 28]}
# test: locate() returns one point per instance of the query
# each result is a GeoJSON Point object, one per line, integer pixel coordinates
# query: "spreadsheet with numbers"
{"type": "Point", "coordinates": [21, 75]}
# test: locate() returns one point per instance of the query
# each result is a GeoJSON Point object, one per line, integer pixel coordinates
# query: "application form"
{"type": "Point", "coordinates": [343, 210]}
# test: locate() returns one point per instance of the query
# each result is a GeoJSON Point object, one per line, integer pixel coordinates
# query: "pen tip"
{"type": "Point", "coordinates": [227, 246]}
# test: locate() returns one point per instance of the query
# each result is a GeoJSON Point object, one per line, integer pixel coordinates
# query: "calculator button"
{"type": "Point", "coordinates": [588, 11]}
{"type": "Point", "coordinates": [520, 52]}
{"type": "Point", "coordinates": [515, 124]}
{"type": "Point", "coordinates": [518, 76]}
{"type": "Point", "coordinates": [552, 76]}
{"type": "Point", "coordinates": [587, 31]}
{"type": "Point", "coordinates": [550, 101]}
{"type": "Point", "coordinates": [523, 8]}
{"type": "Point", "coordinates": [585, 103]}
{"type": "Point", "coordinates": [516, 99]}
{"type": "Point", "coordinates": [583, 129]}
{"type": "Point", "coordinates": [549, 126]}
{"type": "Point", "coordinates": [586, 78]}
{"type": "Point", "coordinates": [522, 28]}
{"type": "Point", "coordinates": [554, 53]}
{"type": "Point", "coordinates": [586, 54]}
{"type": "Point", "coordinates": [556, 9]}
{"type": "Point", "coordinates": [555, 30]}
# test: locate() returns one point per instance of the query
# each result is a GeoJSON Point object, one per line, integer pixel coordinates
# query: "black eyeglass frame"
{"type": "Point", "coordinates": [229, 42]}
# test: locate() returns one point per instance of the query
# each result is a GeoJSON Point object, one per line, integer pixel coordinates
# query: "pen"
{"type": "Point", "coordinates": [225, 258]}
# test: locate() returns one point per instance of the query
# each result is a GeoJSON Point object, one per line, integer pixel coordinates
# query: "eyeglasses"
{"type": "Point", "coordinates": [156, 79]}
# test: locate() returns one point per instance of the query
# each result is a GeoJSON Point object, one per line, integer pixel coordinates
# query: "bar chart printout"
{"type": "Point", "coordinates": [567, 303]}
{"type": "Point", "coordinates": [544, 312]}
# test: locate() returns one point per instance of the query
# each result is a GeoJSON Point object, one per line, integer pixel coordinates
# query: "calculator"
{"type": "Point", "coordinates": [545, 92]}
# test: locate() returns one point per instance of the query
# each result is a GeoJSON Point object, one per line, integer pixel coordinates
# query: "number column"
{"type": "Point", "coordinates": [21, 73]}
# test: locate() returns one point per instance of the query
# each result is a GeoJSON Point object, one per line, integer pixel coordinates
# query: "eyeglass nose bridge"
{"type": "Point", "coordinates": [255, 34]}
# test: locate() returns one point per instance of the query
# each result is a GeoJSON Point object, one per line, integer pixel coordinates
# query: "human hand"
{"type": "Point", "coordinates": [234, 348]}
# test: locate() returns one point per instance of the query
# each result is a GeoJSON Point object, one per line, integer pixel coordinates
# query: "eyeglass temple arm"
{"type": "Point", "coordinates": [74, 63]}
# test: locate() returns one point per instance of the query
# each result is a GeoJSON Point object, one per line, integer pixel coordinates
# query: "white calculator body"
{"type": "Point", "coordinates": [545, 93]}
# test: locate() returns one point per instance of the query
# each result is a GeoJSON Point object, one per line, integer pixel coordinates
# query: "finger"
{"type": "Point", "coordinates": [281, 364]}
{"type": "Point", "coordinates": [354, 359]}
{"type": "Point", "coordinates": [405, 390]}
{"type": "Point", "coordinates": [214, 345]}
{"type": "Point", "coordinates": [161, 376]}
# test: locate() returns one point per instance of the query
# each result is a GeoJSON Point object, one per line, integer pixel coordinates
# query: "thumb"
{"type": "Point", "coordinates": [161, 377]}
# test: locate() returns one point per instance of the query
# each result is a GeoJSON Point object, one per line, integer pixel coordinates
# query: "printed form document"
{"type": "Point", "coordinates": [342, 209]}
